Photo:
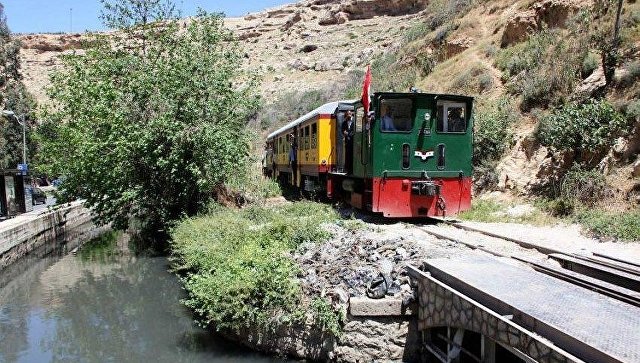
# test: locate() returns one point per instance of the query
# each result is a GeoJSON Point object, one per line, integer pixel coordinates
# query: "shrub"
{"type": "Point", "coordinates": [237, 267]}
{"type": "Point", "coordinates": [633, 110]}
{"type": "Point", "coordinates": [560, 207]}
{"type": "Point", "coordinates": [485, 175]}
{"type": "Point", "coordinates": [443, 11]}
{"type": "Point", "coordinates": [589, 64]}
{"type": "Point", "coordinates": [631, 74]}
{"type": "Point", "coordinates": [492, 136]}
{"type": "Point", "coordinates": [585, 186]}
{"type": "Point", "coordinates": [534, 69]}
{"type": "Point", "coordinates": [416, 32]}
{"type": "Point", "coordinates": [624, 226]}
{"type": "Point", "coordinates": [588, 128]}
{"type": "Point", "coordinates": [485, 81]}
{"type": "Point", "coordinates": [326, 317]}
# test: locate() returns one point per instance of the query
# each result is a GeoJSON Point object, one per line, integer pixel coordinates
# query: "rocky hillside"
{"type": "Point", "coordinates": [521, 59]}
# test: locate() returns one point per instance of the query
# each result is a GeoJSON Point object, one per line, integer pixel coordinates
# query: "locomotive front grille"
{"type": "Point", "coordinates": [427, 188]}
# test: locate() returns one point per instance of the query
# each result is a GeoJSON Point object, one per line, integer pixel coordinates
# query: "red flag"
{"type": "Point", "coordinates": [366, 89]}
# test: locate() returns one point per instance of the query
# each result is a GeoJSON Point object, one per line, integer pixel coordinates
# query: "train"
{"type": "Point", "coordinates": [409, 157]}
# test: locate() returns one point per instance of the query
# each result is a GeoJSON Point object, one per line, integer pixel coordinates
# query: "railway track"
{"type": "Point", "coordinates": [610, 276]}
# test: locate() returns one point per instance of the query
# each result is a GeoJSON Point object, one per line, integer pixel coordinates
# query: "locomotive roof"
{"type": "Point", "coordinates": [327, 108]}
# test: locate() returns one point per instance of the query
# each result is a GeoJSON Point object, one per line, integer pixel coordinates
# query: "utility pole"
{"type": "Point", "coordinates": [70, 20]}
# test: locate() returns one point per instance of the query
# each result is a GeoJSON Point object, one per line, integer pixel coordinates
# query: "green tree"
{"type": "Point", "coordinates": [150, 121]}
{"type": "Point", "coordinates": [13, 96]}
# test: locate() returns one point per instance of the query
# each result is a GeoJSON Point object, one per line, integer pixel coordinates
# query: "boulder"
{"type": "Point", "coordinates": [636, 169]}
{"type": "Point", "coordinates": [309, 48]}
{"type": "Point", "coordinates": [519, 27]}
{"type": "Point", "coordinates": [592, 84]}
{"type": "Point", "coordinates": [457, 46]}
{"type": "Point", "coordinates": [291, 21]}
{"type": "Point", "coordinates": [298, 65]}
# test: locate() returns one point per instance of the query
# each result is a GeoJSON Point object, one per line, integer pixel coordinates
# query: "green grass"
{"type": "Point", "coordinates": [237, 265]}
{"type": "Point", "coordinates": [490, 211]}
{"type": "Point", "coordinates": [621, 225]}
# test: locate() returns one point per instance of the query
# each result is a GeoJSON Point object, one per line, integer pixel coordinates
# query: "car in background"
{"type": "Point", "coordinates": [38, 196]}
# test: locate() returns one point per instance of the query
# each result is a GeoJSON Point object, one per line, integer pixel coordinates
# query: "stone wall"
{"type": "Point", "coordinates": [441, 306]}
{"type": "Point", "coordinates": [43, 233]}
{"type": "Point", "coordinates": [375, 334]}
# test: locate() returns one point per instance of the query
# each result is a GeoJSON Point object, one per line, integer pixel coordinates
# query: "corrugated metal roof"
{"type": "Point", "coordinates": [327, 108]}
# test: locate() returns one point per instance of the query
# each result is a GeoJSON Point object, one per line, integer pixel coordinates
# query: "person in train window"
{"type": "Point", "coordinates": [387, 119]}
{"type": "Point", "coordinates": [293, 155]}
{"type": "Point", "coordinates": [455, 120]}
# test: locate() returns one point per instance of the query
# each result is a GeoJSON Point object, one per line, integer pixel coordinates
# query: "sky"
{"type": "Point", "coordinates": [40, 16]}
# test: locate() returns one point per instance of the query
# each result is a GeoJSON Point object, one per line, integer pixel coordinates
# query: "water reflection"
{"type": "Point", "coordinates": [116, 309]}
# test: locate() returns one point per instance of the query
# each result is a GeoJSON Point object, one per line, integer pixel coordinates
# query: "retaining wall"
{"type": "Point", "coordinates": [45, 232]}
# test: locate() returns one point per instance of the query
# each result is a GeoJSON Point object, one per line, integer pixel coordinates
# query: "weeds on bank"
{"type": "Point", "coordinates": [237, 265]}
{"type": "Point", "coordinates": [490, 211]}
{"type": "Point", "coordinates": [621, 225]}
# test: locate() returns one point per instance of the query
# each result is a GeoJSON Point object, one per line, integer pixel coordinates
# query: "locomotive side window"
{"type": "Point", "coordinates": [451, 117]}
{"type": "Point", "coordinates": [396, 115]}
{"type": "Point", "coordinates": [314, 136]}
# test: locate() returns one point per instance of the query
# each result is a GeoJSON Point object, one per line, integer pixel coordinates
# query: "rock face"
{"type": "Point", "coordinates": [287, 40]}
{"type": "Point", "coordinates": [519, 27]}
{"type": "Point", "coordinates": [549, 13]}
{"type": "Point", "coordinates": [52, 43]}
{"type": "Point", "coordinates": [338, 12]}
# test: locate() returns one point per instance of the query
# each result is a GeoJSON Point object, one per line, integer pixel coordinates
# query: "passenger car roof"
{"type": "Point", "coordinates": [327, 108]}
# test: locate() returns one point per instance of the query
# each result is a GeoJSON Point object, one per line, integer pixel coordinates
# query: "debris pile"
{"type": "Point", "coordinates": [356, 263]}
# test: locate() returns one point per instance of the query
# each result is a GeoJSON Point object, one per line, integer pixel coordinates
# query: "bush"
{"type": "Point", "coordinates": [485, 81]}
{"type": "Point", "coordinates": [590, 63]}
{"type": "Point", "coordinates": [492, 136]}
{"type": "Point", "coordinates": [416, 32]}
{"type": "Point", "coordinates": [584, 186]}
{"type": "Point", "coordinates": [631, 74]}
{"type": "Point", "coordinates": [588, 128]}
{"type": "Point", "coordinates": [443, 11]}
{"type": "Point", "coordinates": [633, 110]}
{"type": "Point", "coordinates": [534, 69]}
{"type": "Point", "coordinates": [624, 226]}
{"type": "Point", "coordinates": [560, 207]}
{"type": "Point", "coordinates": [485, 175]}
{"type": "Point", "coordinates": [237, 267]}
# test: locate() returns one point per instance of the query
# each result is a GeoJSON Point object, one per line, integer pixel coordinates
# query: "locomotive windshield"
{"type": "Point", "coordinates": [396, 115]}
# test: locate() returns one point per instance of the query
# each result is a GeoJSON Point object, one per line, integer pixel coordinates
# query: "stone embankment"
{"type": "Point", "coordinates": [362, 271]}
{"type": "Point", "coordinates": [45, 232]}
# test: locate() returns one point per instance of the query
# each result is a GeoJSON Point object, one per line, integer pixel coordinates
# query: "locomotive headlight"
{"type": "Point", "coordinates": [427, 116]}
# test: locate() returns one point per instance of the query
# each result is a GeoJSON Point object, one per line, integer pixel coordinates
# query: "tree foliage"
{"type": "Point", "coordinates": [13, 96]}
{"type": "Point", "coordinates": [150, 120]}
{"type": "Point", "coordinates": [588, 129]}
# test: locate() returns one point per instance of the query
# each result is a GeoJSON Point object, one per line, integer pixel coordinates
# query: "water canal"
{"type": "Point", "coordinates": [103, 305]}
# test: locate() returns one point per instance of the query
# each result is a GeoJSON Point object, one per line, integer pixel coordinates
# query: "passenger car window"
{"type": "Point", "coordinates": [396, 115]}
{"type": "Point", "coordinates": [451, 117]}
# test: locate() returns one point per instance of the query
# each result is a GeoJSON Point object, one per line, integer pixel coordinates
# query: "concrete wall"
{"type": "Point", "coordinates": [45, 232]}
